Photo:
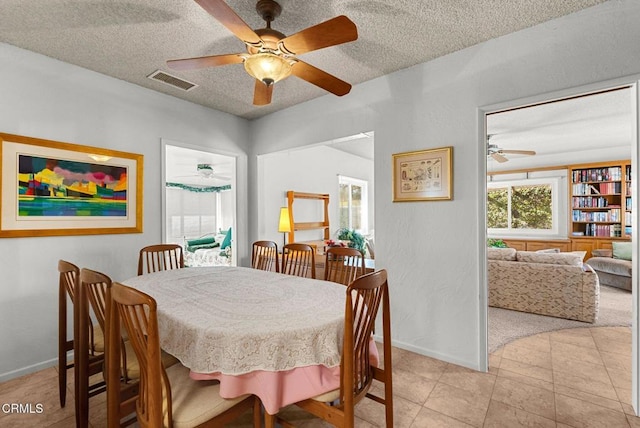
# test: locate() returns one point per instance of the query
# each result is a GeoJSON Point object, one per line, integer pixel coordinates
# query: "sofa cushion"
{"type": "Point", "coordinates": [622, 250]}
{"type": "Point", "coordinates": [227, 240]}
{"type": "Point", "coordinates": [506, 254]}
{"type": "Point", "coordinates": [549, 250]}
{"type": "Point", "coordinates": [609, 265]}
{"type": "Point", "coordinates": [569, 259]}
{"type": "Point", "coordinates": [193, 248]}
{"type": "Point", "coordinates": [601, 252]}
{"type": "Point", "coordinates": [208, 240]}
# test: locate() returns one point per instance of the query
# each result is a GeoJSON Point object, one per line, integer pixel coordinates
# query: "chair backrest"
{"type": "Point", "coordinates": [96, 285]}
{"type": "Point", "coordinates": [69, 279]}
{"type": "Point", "coordinates": [364, 296]}
{"type": "Point", "coordinates": [299, 260]}
{"type": "Point", "coordinates": [137, 312]}
{"type": "Point", "coordinates": [343, 265]}
{"type": "Point", "coordinates": [154, 258]}
{"type": "Point", "coordinates": [69, 275]}
{"type": "Point", "coordinates": [264, 256]}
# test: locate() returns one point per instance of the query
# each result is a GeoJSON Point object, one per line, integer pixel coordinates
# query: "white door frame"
{"type": "Point", "coordinates": [234, 188]}
{"type": "Point", "coordinates": [634, 83]}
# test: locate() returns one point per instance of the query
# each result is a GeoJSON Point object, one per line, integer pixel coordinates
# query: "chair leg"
{"type": "Point", "coordinates": [269, 420]}
{"type": "Point", "coordinates": [62, 380]}
{"type": "Point", "coordinates": [63, 345]}
{"type": "Point", "coordinates": [257, 420]}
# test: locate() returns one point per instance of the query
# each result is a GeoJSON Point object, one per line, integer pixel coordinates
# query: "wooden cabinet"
{"type": "Point", "coordinates": [535, 245]}
{"type": "Point", "coordinates": [584, 245]}
{"type": "Point", "coordinates": [517, 244]}
{"type": "Point", "coordinates": [563, 246]}
{"type": "Point", "coordinates": [600, 207]}
{"type": "Point", "coordinates": [573, 244]}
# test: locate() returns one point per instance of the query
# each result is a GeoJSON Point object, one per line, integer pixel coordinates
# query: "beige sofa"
{"type": "Point", "coordinates": [554, 284]}
{"type": "Point", "coordinates": [612, 271]}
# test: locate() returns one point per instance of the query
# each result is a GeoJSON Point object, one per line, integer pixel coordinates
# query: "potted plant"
{"type": "Point", "coordinates": [356, 240]}
{"type": "Point", "coordinates": [496, 243]}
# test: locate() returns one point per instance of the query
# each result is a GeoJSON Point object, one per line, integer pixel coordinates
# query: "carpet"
{"type": "Point", "coordinates": [615, 309]}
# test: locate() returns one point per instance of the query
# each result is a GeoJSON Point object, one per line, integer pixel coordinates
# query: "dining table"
{"type": "Point", "coordinates": [257, 332]}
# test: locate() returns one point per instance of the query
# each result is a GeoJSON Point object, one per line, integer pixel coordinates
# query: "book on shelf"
{"type": "Point", "coordinates": [613, 173]}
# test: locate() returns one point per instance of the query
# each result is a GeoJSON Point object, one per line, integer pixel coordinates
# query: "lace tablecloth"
{"type": "Point", "coordinates": [235, 320]}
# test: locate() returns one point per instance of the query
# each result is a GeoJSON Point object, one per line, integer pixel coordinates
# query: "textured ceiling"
{"type": "Point", "coordinates": [596, 127]}
{"type": "Point", "coordinates": [131, 39]}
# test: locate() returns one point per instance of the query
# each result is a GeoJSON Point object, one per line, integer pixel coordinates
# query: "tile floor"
{"type": "Point", "coordinates": [568, 378]}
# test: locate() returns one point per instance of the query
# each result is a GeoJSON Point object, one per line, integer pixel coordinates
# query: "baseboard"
{"type": "Point", "coordinates": [430, 353]}
{"type": "Point", "coordinates": [28, 370]}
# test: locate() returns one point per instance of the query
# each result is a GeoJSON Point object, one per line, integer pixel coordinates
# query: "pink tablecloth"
{"type": "Point", "coordinates": [279, 389]}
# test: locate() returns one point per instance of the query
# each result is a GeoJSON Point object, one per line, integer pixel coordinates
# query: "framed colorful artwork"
{"type": "Point", "coordinates": [50, 188]}
{"type": "Point", "coordinates": [424, 175]}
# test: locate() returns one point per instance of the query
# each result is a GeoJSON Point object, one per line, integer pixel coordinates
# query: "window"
{"type": "Point", "coordinates": [190, 214]}
{"type": "Point", "coordinates": [353, 204]}
{"type": "Point", "coordinates": [526, 207]}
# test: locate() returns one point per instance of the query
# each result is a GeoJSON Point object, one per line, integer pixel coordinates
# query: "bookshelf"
{"type": "Point", "coordinates": [295, 226]}
{"type": "Point", "coordinates": [628, 202]}
{"type": "Point", "coordinates": [601, 200]}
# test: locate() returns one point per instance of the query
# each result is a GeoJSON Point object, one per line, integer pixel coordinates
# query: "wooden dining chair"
{"type": "Point", "coordinates": [168, 396]}
{"type": "Point", "coordinates": [343, 265]}
{"type": "Point", "coordinates": [299, 260]}
{"type": "Point", "coordinates": [365, 295]}
{"type": "Point", "coordinates": [69, 276]}
{"type": "Point", "coordinates": [264, 256]}
{"type": "Point", "coordinates": [97, 287]}
{"type": "Point", "coordinates": [154, 258]}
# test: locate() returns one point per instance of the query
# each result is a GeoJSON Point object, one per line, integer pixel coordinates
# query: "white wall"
{"type": "Point", "coordinates": [313, 170]}
{"type": "Point", "coordinates": [49, 99]}
{"type": "Point", "coordinates": [432, 250]}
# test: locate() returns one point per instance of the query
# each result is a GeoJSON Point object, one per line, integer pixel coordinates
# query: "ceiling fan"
{"type": "Point", "coordinates": [498, 153]}
{"type": "Point", "coordinates": [271, 56]}
{"type": "Point", "coordinates": [205, 171]}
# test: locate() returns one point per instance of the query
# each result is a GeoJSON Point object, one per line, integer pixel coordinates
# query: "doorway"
{"type": "Point", "coordinates": [543, 137]}
{"type": "Point", "coordinates": [342, 168]}
{"type": "Point", "coordinates": [199, 203]}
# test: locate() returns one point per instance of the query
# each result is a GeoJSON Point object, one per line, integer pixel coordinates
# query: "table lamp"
{"type": "Point", "coordinates": [284, 225]}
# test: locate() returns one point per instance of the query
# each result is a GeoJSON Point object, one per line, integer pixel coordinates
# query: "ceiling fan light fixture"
{"type": "Point", "coordinates": [205, 170]}
{"type": "Point", "coordinates": [267, 67]}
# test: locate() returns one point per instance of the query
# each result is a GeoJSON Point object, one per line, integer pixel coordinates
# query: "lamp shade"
{"type": "Point", "coordinates": [267, 67]}
{"type": "Point", "coordinates": [284, 225]}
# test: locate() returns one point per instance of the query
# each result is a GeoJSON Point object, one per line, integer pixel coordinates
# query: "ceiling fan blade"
{"type": "Point", "coordinates": [204, 61]}
{"type": "Point", "coordinates": [230, 19]}
{"type": "Point", "coordinates": [519, 152]}
{"type": "Point", "coordinates": [329, 33]}
{"type": "Point", "coordinates": [499, 157]}
{"type": "Point", "coordinates": [262, 94]}
{"type": "Point", "coordinates": [320, 78]}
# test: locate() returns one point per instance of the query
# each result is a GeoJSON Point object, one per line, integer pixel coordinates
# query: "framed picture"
{"type": "Point", "coordinates": [51, 188]}
{"type": "Point", "coordinates": [424, 175]}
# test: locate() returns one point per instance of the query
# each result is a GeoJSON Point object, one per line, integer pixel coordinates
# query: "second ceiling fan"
{"type": "Point", "coordinates": [497, 153]}
{"type": "Point", "coordinates": [271, 56]}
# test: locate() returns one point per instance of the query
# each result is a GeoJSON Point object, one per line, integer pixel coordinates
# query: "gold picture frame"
{"type": "Point", "coordinates": [51, 188]}
{"type": "Point", "coordinates": [423, 175]}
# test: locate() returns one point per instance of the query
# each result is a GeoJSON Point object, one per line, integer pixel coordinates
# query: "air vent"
{"type": "Point", "coordinates": [174, 81]}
